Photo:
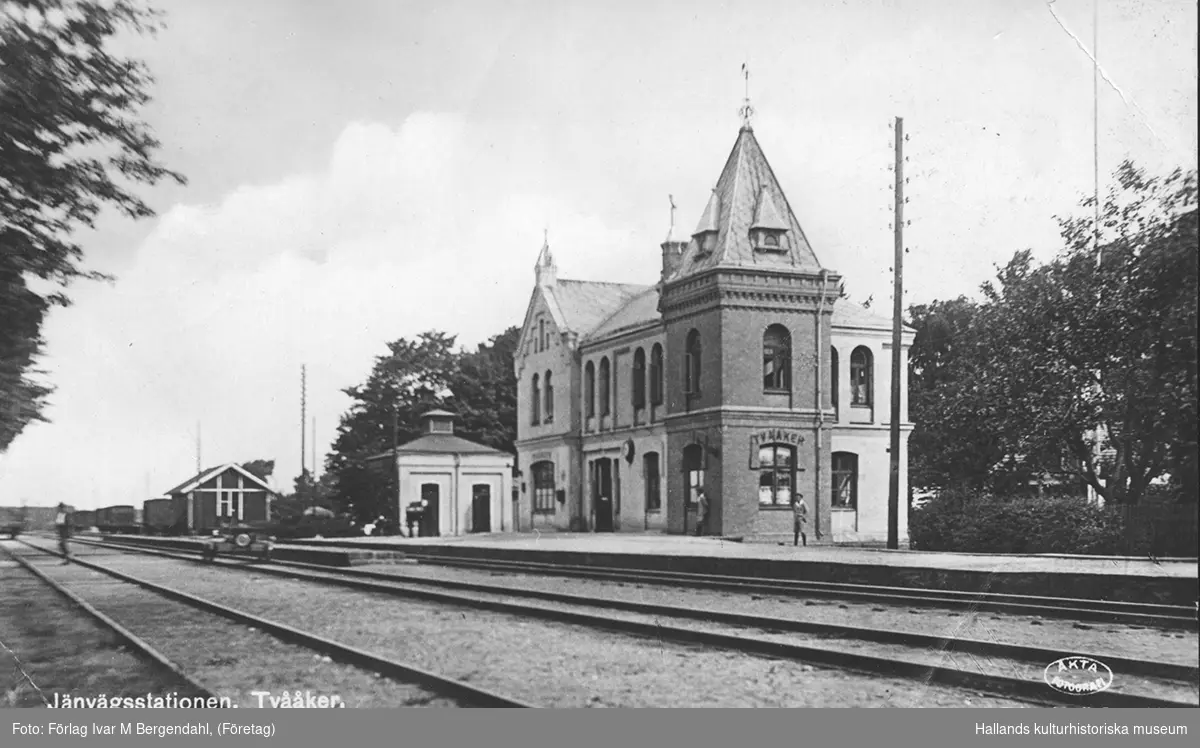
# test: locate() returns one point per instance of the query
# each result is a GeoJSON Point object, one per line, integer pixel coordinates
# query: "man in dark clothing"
{"type": "Point", "coordinates": [62, 522]}
{"type": "Point", "coordinates": [799, 519]}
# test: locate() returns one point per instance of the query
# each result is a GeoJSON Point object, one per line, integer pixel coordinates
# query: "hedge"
{"type": "Point", "coordinates": [992, 524]}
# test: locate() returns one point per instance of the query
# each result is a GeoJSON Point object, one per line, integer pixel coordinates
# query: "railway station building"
{"type": "Point", "coordinates": [741, 372]}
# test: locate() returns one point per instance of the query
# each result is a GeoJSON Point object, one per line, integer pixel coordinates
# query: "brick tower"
{"type": "Point", "coordinates": [747, 309]}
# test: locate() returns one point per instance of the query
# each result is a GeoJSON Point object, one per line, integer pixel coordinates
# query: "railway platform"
{"type": "Point", "coordinates": [1126, 579]}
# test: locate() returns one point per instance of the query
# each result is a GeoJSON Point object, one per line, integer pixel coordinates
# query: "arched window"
{"type": "Point", "coordinates": [834, 379]}
{"type": "Point", "coordinates": [656, 374]}
{"type": "Point", "coordinates": [691, 364]}
{"type": "Point", "coordinates": [536, 400]}
{"type": "Point", "coordinates": [693, 472]}
{"type": "Point", "coordinates": [845, 480]}
{"type": "Point", "coordinates": [777, 358]}
{"type": "Point", "coordinates": [543, 487]}
{"type": "Point", "coordinates": [639, 378]}
{"type": "Point", "coordinates": [589, 389]}
{"type": "Point", "coordinates": [604, 384]}
{"type": "Point", "coordinates": [776, 474]}
{"type": "Point", "coordinates": [650, 474]}
{"type": "Point", "coordinates": [541, 335]}
{"type": "Point", "coordinates": [860, 376]}
{"type": "Point", "coordinates": [549, 398]}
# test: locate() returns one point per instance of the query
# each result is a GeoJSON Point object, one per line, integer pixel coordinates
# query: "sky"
{"type": "Point", "coordinates": [367, 170]}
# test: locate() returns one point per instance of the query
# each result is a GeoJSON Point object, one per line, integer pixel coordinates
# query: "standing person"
{"type": "Point", "coordinates": [799, 519]}
{"type": "Point", "coordinates": [62, 523]}
{"type": "Point", "coordinates": [701, 512]}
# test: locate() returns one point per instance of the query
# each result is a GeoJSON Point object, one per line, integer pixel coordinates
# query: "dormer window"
{"type": "Point", "coordinates": [768, 233]}
{"type": "Point", "coordinates": [706, 233]}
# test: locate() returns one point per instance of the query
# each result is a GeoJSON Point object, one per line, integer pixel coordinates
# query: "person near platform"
{"type": "Point", "coordinates": [62, 522]}
{"type": "Point", "coordinates": [701, 513]}
{"type": "Point", "coordinates": [799, 519]}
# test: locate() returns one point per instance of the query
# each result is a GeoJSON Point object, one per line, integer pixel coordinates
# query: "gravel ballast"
{"type": "Point", "coordinates": [549, 664]}
{"type": "Point", "coordinates": [231, 659]}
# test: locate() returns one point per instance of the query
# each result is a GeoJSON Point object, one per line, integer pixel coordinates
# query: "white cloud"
{"type": "Point", "coordinates": [408, 229]}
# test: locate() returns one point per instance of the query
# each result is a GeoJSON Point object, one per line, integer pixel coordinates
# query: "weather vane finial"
{"type": "Point", "coordinates": [746, 111]}
{"type": "Point", "coordinates": [672, 199]}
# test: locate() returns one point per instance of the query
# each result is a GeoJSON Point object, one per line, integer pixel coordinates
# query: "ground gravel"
{"type": "Point", "coordinates": [231, 659]}
{"type": "Point", "coordinates": [546, 663]}
{"type": "Point", "coordinates": [1070, 637]}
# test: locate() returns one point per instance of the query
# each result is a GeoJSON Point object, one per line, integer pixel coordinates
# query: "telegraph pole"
{"type": "Point", "coordinates": [893, 540]}
{"type": "Point", "coordinates": [303, 406]}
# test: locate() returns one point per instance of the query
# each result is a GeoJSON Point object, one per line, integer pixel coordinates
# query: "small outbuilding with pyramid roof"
{"type": "Point", "coordinates": [465, 486]}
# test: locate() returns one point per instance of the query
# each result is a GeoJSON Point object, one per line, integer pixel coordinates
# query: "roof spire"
{"type": "Point", "coordinates": [746, 111]}
{"type": "Point", "coordinates": [545, 270]}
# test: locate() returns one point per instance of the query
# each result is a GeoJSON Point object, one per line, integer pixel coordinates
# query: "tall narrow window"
{"type": "Point", "coordinates": [541, 335]}
{"type": "Point", "coordinates": [543, 487]}
{"type": "Point", "coordinates": [691, 369]}
{"type": "Point", "coordinates": [656, 374]}
{"type": "Point", "coordinates": [589, 389]}
{"type": "Point", "coordinates": [639, 379]}
{"type": "Point", "coordinates": [651, 476]}
{"type": "Point", "coordinates": [777, 358]}
{"type": "Point", "coordinates": [776, 474]}
{"type": "Point", "coordinates": [845, 480]}
{"type": "Point", "coordinates": [549, 386]}
{"type": "Point", "coordinates": [693, 472]}
{"type": "Point", "coordinates": [860, 376]}
{"type": "Point", "coordinates": [834, 379]}
{"type": "Point", "coordinates": [604, 385]}
{"type": "Point", "coordinates": [536, 402]}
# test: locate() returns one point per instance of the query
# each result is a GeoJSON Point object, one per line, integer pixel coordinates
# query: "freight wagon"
{"type": "Point", "coordinates": [163, 517]}
{"type": "Point", "coordinates": [83, 520]}
{"type": "Point", "coordinates": [117, 519]}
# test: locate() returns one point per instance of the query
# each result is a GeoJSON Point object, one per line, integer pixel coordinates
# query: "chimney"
{"type": "Point", "coordinates": [673, 248]}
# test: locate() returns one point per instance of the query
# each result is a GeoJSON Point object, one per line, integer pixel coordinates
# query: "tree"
{"type": "Point", "coordinates": [484, 387]}
{"type": "Point", "coordinates": [1075, 351]}
{"type": "Point", "coordinates": [951, 445]}
{"type": "Point", "coordinates": [71, 144]}
{"type": "Point", "coordinates": [417, 376]}
{"type": "Point", "coordinates": [412, 378]}
{"type": "Point", "coordinates": [261, 469]}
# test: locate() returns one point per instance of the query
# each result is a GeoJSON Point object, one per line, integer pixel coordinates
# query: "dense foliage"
{"type": "Point", "coordinates": [1011, 390]}
{"type": "Point", "coordinates": [71, 144]}
{"type": "Point", "coordinates": [414, 377]}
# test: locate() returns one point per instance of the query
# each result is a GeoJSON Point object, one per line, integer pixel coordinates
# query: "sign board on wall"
{"type": "Point", "coordinates": [759, 439]}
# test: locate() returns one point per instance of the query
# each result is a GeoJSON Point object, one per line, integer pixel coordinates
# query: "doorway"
{"type": "Point", "coordinates": [430, 518]}
{"type": "Point", "coordinates": [481, 508]}
{"type": "Point", "coordinates": [602, 495]}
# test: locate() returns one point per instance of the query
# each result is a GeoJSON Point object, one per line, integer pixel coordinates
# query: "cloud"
{"type": "Point", "coordinates": [407, 229]}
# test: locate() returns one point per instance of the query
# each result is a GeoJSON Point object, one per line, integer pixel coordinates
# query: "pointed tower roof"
{"type": "Point", "coordinates": [748, 196]}
{"type": "Point", "coordinates": [711, 220]}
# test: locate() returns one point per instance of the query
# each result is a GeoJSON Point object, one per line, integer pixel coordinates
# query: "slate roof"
{"type": "Point", "coordinates": [747, 190]}
{"type": "Point", "coordinates": [642, 308]}
{"type": "Point", "coordinates": [441, 444]}
{"type": "Point", "coordinates": [585, 304]}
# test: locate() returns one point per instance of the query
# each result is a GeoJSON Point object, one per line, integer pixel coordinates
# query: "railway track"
{"type": "Point", "coordinates": [463, 694]}
{"type": "Point", "coordinates": [1144, 614]}
{"type": "Point", "coordinates": [647, 619]}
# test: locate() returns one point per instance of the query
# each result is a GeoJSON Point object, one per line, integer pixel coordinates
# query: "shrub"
{"type": "Point", "coordinates": [974, 523]}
